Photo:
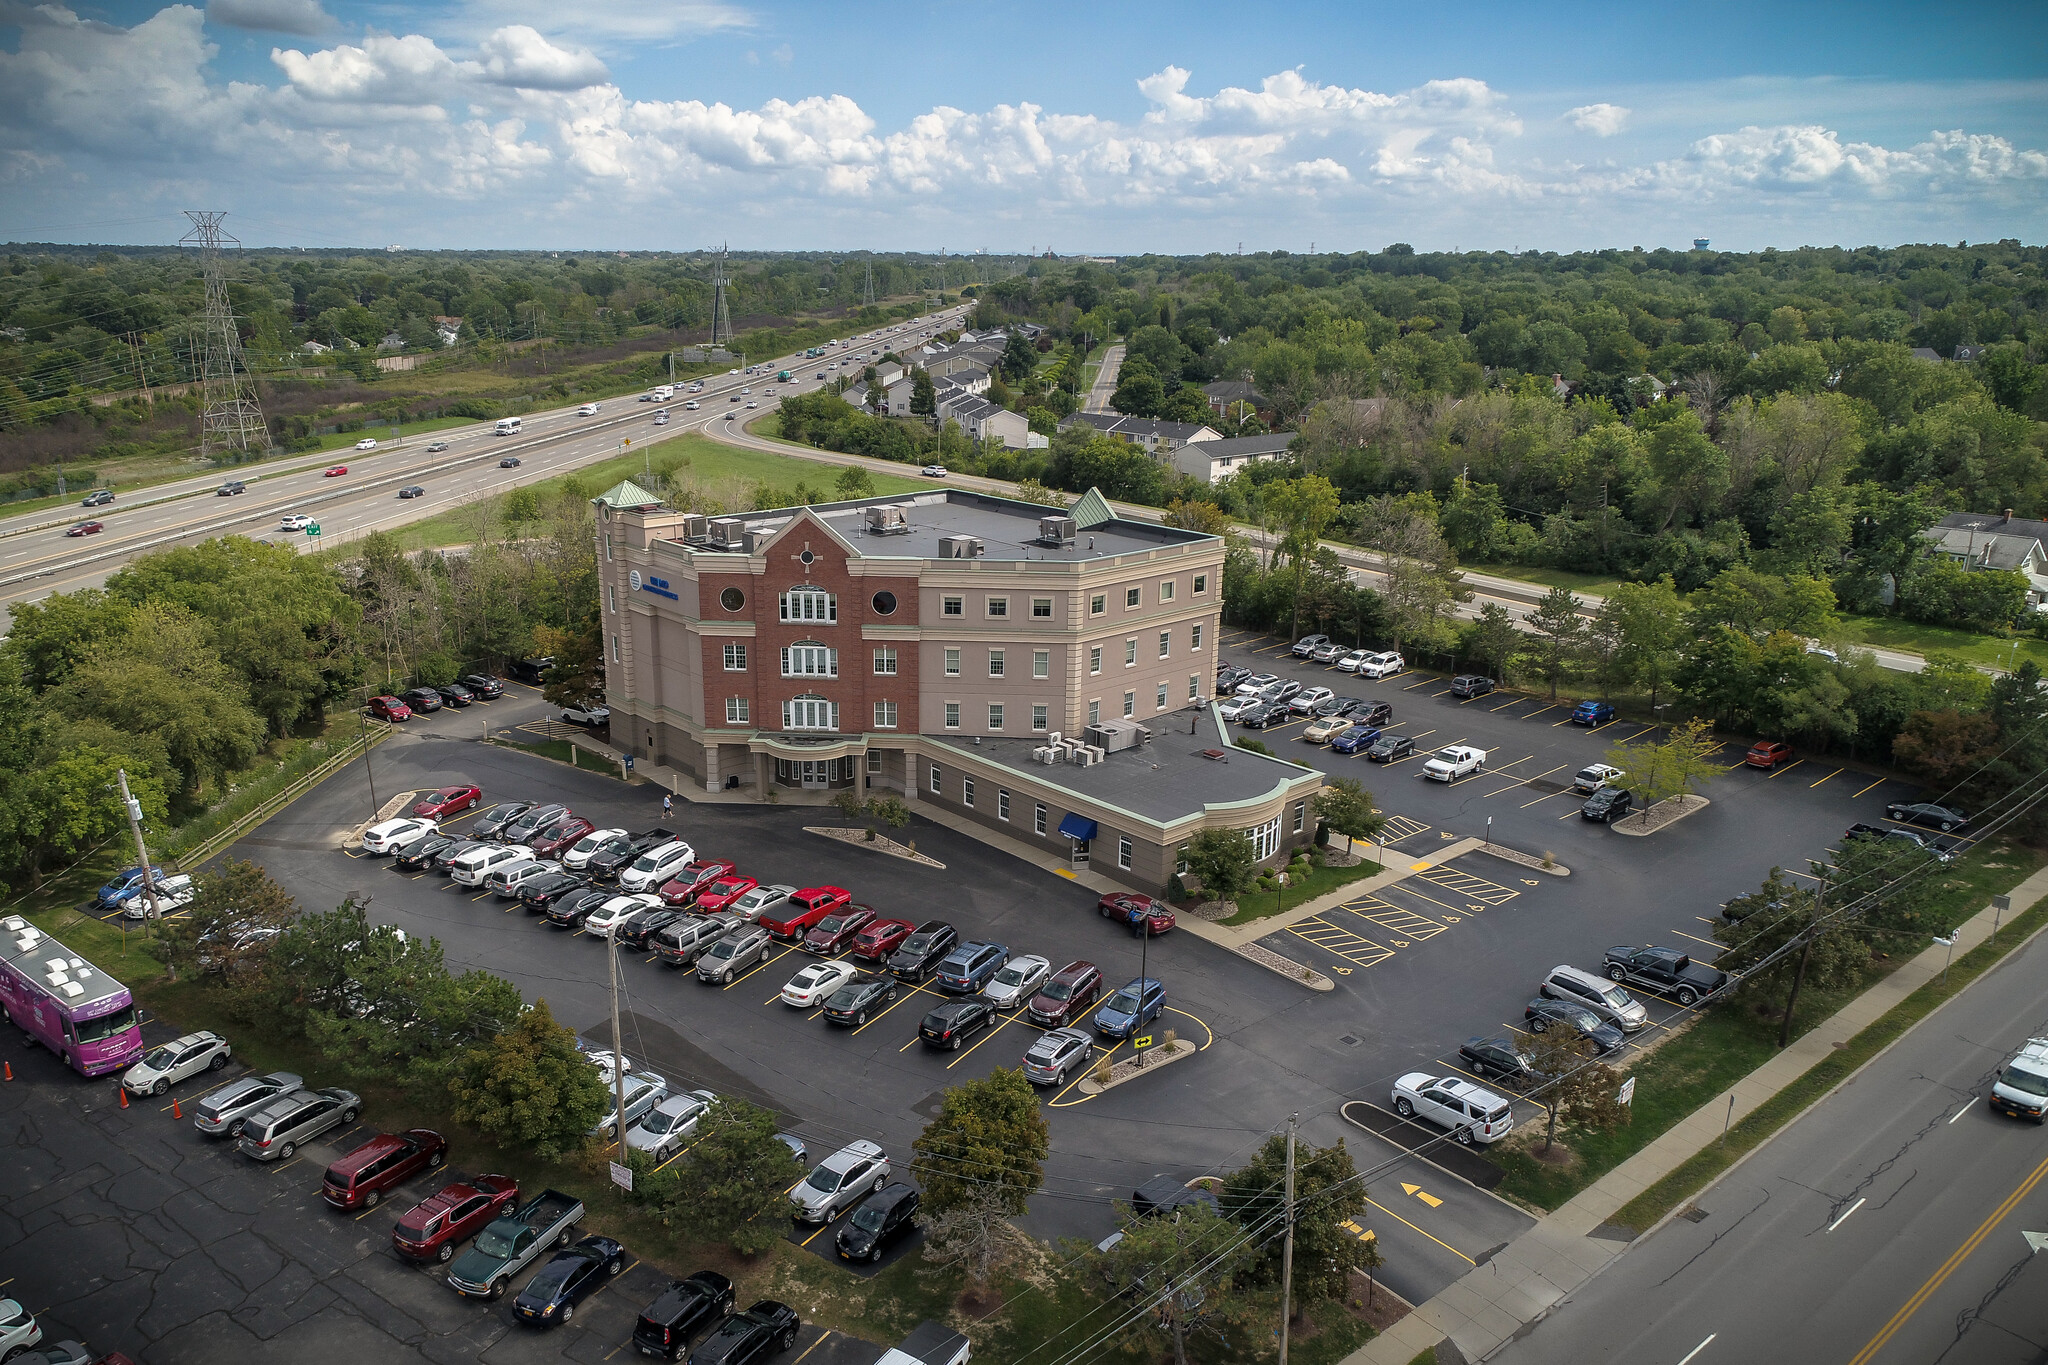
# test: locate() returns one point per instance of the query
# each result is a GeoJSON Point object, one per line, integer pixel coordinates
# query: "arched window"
{"type": "Point", "coordinates": [809, 659]}
{"type": "Point", "coordinates": [810, 713]}
{"type": "Point", "coordinates": [810, 604]}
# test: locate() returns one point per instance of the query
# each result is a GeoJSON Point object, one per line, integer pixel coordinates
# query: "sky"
{"type": "Point", "coordinates": [1084, 128]}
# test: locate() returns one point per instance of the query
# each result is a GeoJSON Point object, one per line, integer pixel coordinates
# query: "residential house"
{"type": "Point", "coordinates": [1980, 540]}
{"type": "Point", "coordinates": [449, 329]}
{"type": "Point", "coordinates": [1160, 438]}
{"type": "Point", "coordinates": [1226, 394]}
{"type": "Point", "coordinates": [1212, 460]}
{"type": "Point", "coordinates": [989, 423]}
{"type": "Point", "coordinates": [392, 342]}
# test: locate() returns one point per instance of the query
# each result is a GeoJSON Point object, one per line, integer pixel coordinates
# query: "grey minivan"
{"type": "Point", "coordinates": [275, 1131]}
{"type": "Point", "coordinates": [220, 1114]}
{"type": "Point", "coordinates": [1596, 993]}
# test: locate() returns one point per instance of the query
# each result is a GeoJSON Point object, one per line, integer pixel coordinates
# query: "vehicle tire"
{"type": "Point", "coordinates": [616, 1265]}
{"type": "Point", "coordinates": [1464, 1136]}
{"type": "Point", "coordinates": [568, 1312]}
{"type": "Point", "coordinates": [445, 1252]}
{"type": "Point", "coordinates": [160, 1087]}
{"type": "Point", "coordinates": [1947, 826]}
{"type": "Point", "coordinates": [563, 1240]}
{"type": "Point", "coordinates": [434, 1161]}
{"type": "Point", "coordinates": [1537, 1025]}
{"type": "Point", "coordinates": [1405, 1109]}
{"type": "Point", "coordinates": [787, 1340]}
{"type": "Point", "coordinates": [373, 1199]}
{"type": "Point", "coordinates": [1687, 996]}
{"type": "Point", "coordinates": [220, 1059]}
{"type": "Point", "coordinates": [284, 1153]}
{"type": "Point", "coordinates": [875, 1253]}
{"type": "Point", "coordinates": [235, 1131]}
{"type": "Point", "coordinates": [860, 1019]}
{"type": "Point", "coordinates": [726, 980]}
{"type": "Point", "coordinates": [1615, 973]}
{"type": "Point", "coordinates": [891, 996]}
{"type": "Point", "coordinates": [955, 1047]}
{"type": "Point", "coordinates": [348, 1116]}
{"type": "Point", "coordinates": [497, 1290]}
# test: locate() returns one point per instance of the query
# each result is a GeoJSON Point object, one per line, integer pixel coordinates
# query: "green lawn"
{"type": "Point", "coordinates": [1891, 632]}
{"type": "Point", "coordinates": [562, 751]}
{"type": "Point", "coordinates": [1321, 881]}
{"type": "Point", "coordinates": [1550, 578]}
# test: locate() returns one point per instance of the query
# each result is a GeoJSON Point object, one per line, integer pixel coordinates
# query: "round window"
{"type": "Point", "coordinates": [807, 557]}
{"type": "Point", "coordinates": [885, 603]}
{"type": "Point", "coordinates": [732, 599]}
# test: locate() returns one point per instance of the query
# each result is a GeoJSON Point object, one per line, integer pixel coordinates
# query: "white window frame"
{"type": "Point", "coordinates": [1038, 818]}
{"type": "Point", "coordinates": [998, 608]}
{"type": "Point", "coordinates": [1194, 687]}
{"type": "Point", "coordinates": [1300, 815]}
{"type": "Point", "coordinates": [810, 712]}
{"type": "Point", "coordinates": [809, 604]}
{"type": "Point", "coordinates": [1041, 720]}
{"type": "Point", "coordinates": [998, 662]}
{"type": "Point", "coordinates": [735, 657]}
{"type": "Point", "coordinates": [952, 664]}
{"type": "Point", "coordinates": [1098, 604]}
{"type": "Point", "coordinates": [1002, 804]}
{"type": "Point", "coordinates": [952, 714]}
{"type": "Point", "coordinates": [1094, 659]}
{"type": "Point", "coordinates": [1201, 584]}
{"type": "Point", "coordinates": [810, 659]}
{"type": "Point", "coordinates": [1041, 663]}
{"type": "Point", "coordinates": [1166, 589]}
{"type": "Point", "coordinates": [1130, 650]}
{"type": "Point", "coordinates": [1123, 852]}
{"type": "Point", "coordinates": [885, 715]}
{"type": "Point", "coordinates": [953, 606]}
{"type": "Point", "coordinates": [938, 785]}
{"type": "Point", "coordinates": [1165, 644]}
{"type": "Point", "coordinates": [885, 661]}
{"type": "Point", "coordinates": [995, 715]}
{"type": "Point", "coordinates": [1095, 710]}
{"type": "Point", "coordinates": [737, 710]}
{"type": "Point", "coordinates": [1161, 696]}
{"type": "Point", "coordinates": [1265, 839]}
{"type": "Point", "coordinates": [1195, 640]}
{"type": "Point", "coordinates": [1134, 597]}
{"type": "Point", "coordinates": [611, 597]}
{"type": "Point", "coordinates": [1036, 603]}
{"type": "Point", "coordinates": [966, 791]}
{"type": "Point", "coordinates": [1130, 703]}
{"type": "Point", "coordinates": [615, 649]}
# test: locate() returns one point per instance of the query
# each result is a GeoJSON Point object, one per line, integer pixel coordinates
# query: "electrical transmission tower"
{"type": "Point", "coordinates": [231, 418]}
{"type": "Point", "coordinates": [721, 308]}
{"type": "Point", "coordinates": [867, 290]}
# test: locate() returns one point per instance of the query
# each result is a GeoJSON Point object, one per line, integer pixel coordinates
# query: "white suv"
{"type": "Point", "coordinates": [655, 866]}
{"type": "Point", "coordinates": [472, 867]}
{"type": "Point", "coordinates": [386, 837]}
{"type": "Point", "coordinates": [1382, 665]}
{"type": "Point", "coordinates": [1472, 1112]}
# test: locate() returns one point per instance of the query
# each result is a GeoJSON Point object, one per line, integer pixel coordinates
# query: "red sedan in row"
{"type": "Point", "coordinates": [558, 838]}
{"type": "Point", "coordinates": [684, 888]}
{"type": "Point", "coordinates": [449, 801]}
{"type": "Point", "coordinates": [835, 931]}
{"type": "Point", "coordinates": [1141, 913]}
{"type": "Point", "coordinates": [337, 471]}
{"type": "Point", "coordinates": [881, 938]}
{"type": "Point", "coordinates": [430, 1229]}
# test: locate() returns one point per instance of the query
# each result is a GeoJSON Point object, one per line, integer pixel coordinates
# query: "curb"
{"type": "Point", "coordinates": [1178, 1049]}
{"type": "Point", "coordinates": [1521, 859]}
{"type": "Point", "coordinates": [1619, 826]}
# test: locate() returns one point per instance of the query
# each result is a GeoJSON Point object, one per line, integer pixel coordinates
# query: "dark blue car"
{"type": "Point", "coordinates": [571, 1277]}
{"type": "Point", "coordinates": [1131, 1008]}
{"type": "Point", "coordinates": [1592, 713]}
{"type": "Point", "coordinates": [967, 968]}
{"type": "Point", "coordinates": [1356, 740]}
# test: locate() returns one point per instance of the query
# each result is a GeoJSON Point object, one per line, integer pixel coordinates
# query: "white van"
{"type": "Point", "coordinates": [648, 871]}
{"type": "Point", "coordinates": [472, 867]}
{"type": "Point", "coordinates": [508, 426]}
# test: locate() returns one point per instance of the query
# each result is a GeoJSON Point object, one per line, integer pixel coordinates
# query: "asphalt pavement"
{"type": "Point", "coordinates": [1885, 1226]}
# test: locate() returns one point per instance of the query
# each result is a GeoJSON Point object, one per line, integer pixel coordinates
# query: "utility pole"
{"type": "Point", "coordinates": [363, 728]}
{"type": "Point", "coordinates": [611, 943]}
{"type": "Point", "coordinates": [1287, 1247]}
{"type": "Point", "coordinates": [134, 810]}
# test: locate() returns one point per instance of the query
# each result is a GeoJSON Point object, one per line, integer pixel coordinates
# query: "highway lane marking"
{"type": "Point", "coordinates": [1948, 1267]}
{"type": "Point", "coordinates": [1697, 1349]}
{"type": "Point", "coordinates": [1965, 1109]}
{"type": "Point", "coordinates": [1836, 773]}
{"type": "Point", "coordinates": [1438, 1240]}
{"type": "Point", "coordinates": [1845, 1215]}
{"type": "Point", "coordinates": [1426, 1197]}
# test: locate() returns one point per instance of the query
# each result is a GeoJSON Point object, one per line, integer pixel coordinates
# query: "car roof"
{"type": "Point", "coordinates": [860, 1149]}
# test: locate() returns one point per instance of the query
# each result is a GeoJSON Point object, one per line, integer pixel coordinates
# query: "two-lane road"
{"type": "Point", "coordinates": [1883, 1228]}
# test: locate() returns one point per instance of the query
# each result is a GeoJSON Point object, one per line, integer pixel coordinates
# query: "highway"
{"type": "Point", "coordinates": [37, 558]}
{"type": "Point", "coordinates": [1884, 1227]}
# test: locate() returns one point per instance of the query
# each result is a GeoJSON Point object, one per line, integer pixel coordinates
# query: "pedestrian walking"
{"type": "Point", "coordinates": [667, 805]}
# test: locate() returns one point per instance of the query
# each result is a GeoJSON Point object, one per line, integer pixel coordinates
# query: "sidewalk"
{"type": "Point", "coordinates": [1483, 1311]}
{"type": "Point", "coordinates": [1393, 870]}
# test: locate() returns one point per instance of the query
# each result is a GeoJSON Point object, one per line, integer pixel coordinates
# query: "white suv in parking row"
{"type": "Point", "coordinates": [648, 871]}
{"type": "Point", "coordinates": [1472, 1112]}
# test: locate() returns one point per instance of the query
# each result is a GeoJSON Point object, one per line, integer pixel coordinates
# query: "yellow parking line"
{"type": "Point", "coordinates": [1424, 735]}
{"type": "Point", "coordinates": [1061, 1101]}
{"type": "Point", "coordinates": [909, 994]}
{"type": "Point", "coordinates": [1001, 1023]}
{"type": "Point", "coordinates": [1511, 701]}
{"type": "Point", "coordinates": [1697, 939]}
{"type": "Point", "coordinates": [1539, 800]}
{"type": "Point", "coordinates": [1567, 815]}
{"type": "Point", "coordinates": [814, 1236]}
{"type": "Point", "coordinates": [1566, 721]}
{"type": "Point", "coordinates": [1610, 724]}
{"type": "Point", "coordinates": [1789, 766]}
{"type": "Point", "coordinates": [1879, 783]}
{"type": "Point", "coordinates": [1438, 1240]}
{"type": "Point", "coordinates": [812, 1347]}
{"type": "Point", "coordinates": [1533, 714]}
{"type": "Point", "coordinates": [1811, 785]}
{"type": "Point", "coordinates": [763, 967]}
{"type": "Point", "coordinates": [1424, 683]}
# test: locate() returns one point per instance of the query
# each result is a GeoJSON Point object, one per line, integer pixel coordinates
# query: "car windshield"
{"type": "Point", "coordinates": [1616, 997]}
{"type": "Point", "coordinates": [106, 1026]}
{"type": "Point", "coordinates": [1011, 976]}
{"type": "Point", "coordinates": [491, 1242]}
{"type": "Point", "coordinates": [917, 943]}
{"type": "Point", "coordinates": [158, 1058]}
{"type": "Point", "coordinates": [646, 862]}
{"type": "Point", "coordinates": [868, 1218]}
{"type": "Point", "coordinates": [1123, 1002]}
{"type": "Point", "coordinates": [1580, 1018]}
{"type": "Point", "coordinates": [822, 1180]}
{"type": "Point", "coordinates": [831, 924]}
{"type": "Point", "coordinates": [585, 844]}
{"type": "Point", "coordinates": [1058, 990]}
{"type": "Point", "coordinates": [2024, 1081]}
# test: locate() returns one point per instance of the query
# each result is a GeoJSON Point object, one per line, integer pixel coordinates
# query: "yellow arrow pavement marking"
{"type": "Point", "coordinates": [1424, 1195]}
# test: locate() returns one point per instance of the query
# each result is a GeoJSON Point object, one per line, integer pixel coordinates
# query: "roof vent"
{"type": "Point", "coordinates": [886, 519]}
{"type": "Point", "coordinates": [1215, 753]}
{"type": "Point", "coordinates": [14, 924]}
{"type": "Point", "coordinates": [72, 989]}
{"type": "Point", "coordinates": [960, 547]}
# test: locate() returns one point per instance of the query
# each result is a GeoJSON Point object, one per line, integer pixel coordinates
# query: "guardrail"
{"type": "Point", "coordinates": [213, 843]}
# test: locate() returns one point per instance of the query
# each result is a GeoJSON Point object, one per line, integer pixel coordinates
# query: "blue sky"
{"type": "Point", "coordinates": [1191, 127]}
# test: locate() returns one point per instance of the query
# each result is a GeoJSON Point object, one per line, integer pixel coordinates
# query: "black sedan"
{"type": "Point", "coordinates": [646, 924]}
{"type": "Point", "coordinates": [540, 893]}
{"type": "Point", "coordinates": [1387, 748]}
{"type": "Point", "coordinates": [412, 491]}
{"type": "Point", "coordinates": [509, 462]}
{"type": "Point", "coordinates": [454, 851]}
{"type": "Point", "coordinates": [1943, 818]}
{"type": "Point", "coordinates": [1542, 1012]}
{"type": "Point", "coordinates": [1495, 1058]}
{"type": "Point", "coordinates": [850, 1004]}
{"type": "Point", "coordinates": [571, 1277]}
{"type": "Point", "coordinates": [422, 700]}
{"type": "Point", "coordinates": [486, 688]}
{"type": "Point", "coordinates": [570, 910]}
{"type": "Point", "coordinates": [923, 950]}
{"type": "Point", "coordinates": [952, 1023]}
{"type": "Point", "coordinates": [767, 1329]}
{"type": "Point", "coordinates": [1378, 713]}
{"type": "Point", "coordinates": [455, 694]}
{"type": "Point", "coordinates": [419, 855]}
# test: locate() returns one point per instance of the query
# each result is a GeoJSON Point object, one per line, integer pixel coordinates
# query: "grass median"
{"type": "Point", "coordinates": [1253, 906]}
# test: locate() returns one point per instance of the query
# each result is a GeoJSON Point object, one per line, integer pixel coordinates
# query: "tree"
{"type": "Point", "coordinates": [1571, 1084]}
{"type": "Point", "coordinates": [530, 1087]}
{"type": "Point", "coordinates": [1198, 516]}
{"type": "Point", "coordinates": [854, 482]}
{"type": "Point", "coordinates": [577, 677]}
{"type": "Point", "coordinates": [1188, 404]}
{"type": "Point", "coordinates": [1560, 634]}
{"type": "Point", "coordinates": [235, 900]}
{"type": "Point", "coordinates": [974, 1234]}
{"type": "Point", "coordinates": [2011, 377]}
{"type": "Point", "coordinates": [1019, 358]}
{"type": "Point", "coordinates": [1495, 637]}
{"type": "Point", "coordinates": [990, 1134]}
{"type": "Point", "coordinates": [923, 396]}
{"type": "Point", "coordinates": [1121, 470]}
{"type": "Point", "coordinates": [1758, 603]}
{"type": "Point", "coordinates": [734, 1188]}
{"type": "Point", "coordinates": [1658, 771]}
{"type": "Point", "coordinates": [1648, 621]}
{"type": "Point", "coordinates": [1305, 508]}
{"type": "Point", "coordinates": [1346, 806]}
{"type": "Point", "coordinates": [1225, 860]}
{"type": "Point", "coordinates": [522, 504]}
{"type": "Point", "coordinates": [1689, 473]}
{"type": "Point", "coordinates": [1327, 1194]}
{"type": "Point", "coordinates": [1139, 391]}
{"type": "Point", "coordinates": [1420, 579]}
{"type": "Point", "coordinates": [1181, 1267]}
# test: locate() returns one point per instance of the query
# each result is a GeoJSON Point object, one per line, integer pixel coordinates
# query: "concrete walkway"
{"type": "Point", "coordinates": [1481, 1312]}
{"type": "Point", "coordinates": [1396, 868]}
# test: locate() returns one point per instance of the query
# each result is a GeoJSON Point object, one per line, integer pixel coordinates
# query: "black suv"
{"type": "Point", "coordinates": [641, 928]}
{"type": "Point", "coordinates": [489, 689]}
{"type": "Point", "coordinates": [1608, 805]}
{"type": "Point", "coordinates": [1471, 685]}
{"type": "Point", "coordinates": [923, 951]}
{"type": "Point", "coordinates": [542, 892]}
{"type": "Point", "coordinates": [422, 699]}
{"type": "Point", "coordinates": [682, 1310]}
{"type": "Point", "coordinates": [762, 1331]}
{"type": "Point", "coordinates": [455, 694]}
{"type": "Point", "coordinates": [882, 1217]}
{"type": "Point", "coordinates": [230, 488]}
{"type": "Point", "coordinates": [1387, 748]}
{"type": "Point", "coordinates": [1496, 1057]}
{"type": "Point", "coordinates": [531, 670]}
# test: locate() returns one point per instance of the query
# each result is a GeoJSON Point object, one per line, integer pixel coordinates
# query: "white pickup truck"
{"type": "Point", "coordinates": [1454, 761]}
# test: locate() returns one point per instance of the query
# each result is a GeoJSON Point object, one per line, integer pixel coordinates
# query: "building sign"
{"type": "Point", "coordinates": [633, 580]}
{"type": "Point", "coordinates": [658, 586]}
{"type": "Point", "coordinates": [1628, 1091]}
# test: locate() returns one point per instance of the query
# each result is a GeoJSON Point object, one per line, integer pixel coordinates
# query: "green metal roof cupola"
{"type": "Point", "coordinates": [626, 494]}
{"type": "Point", "coordinates": [1092, 510]}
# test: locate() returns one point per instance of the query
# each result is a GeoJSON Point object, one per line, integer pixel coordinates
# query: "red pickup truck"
{"type": "Point", "coordinates": [800, 913]}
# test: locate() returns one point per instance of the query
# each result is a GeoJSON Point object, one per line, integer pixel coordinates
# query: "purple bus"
{"type": "Point", "coordinates": [64, 1002]}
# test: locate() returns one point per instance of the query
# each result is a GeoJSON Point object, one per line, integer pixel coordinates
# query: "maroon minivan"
{"type": "Point", "coordinates": [1065, 994]}
{"type": "Point", "coordinates": [358, 1180]}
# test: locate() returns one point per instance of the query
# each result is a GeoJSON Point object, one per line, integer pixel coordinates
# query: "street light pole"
{"type": "Point", "coordinates": [1287, 1247]}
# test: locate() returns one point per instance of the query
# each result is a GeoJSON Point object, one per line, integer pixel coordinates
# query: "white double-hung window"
{"type": "Point", "coordinates": [809, 659]}
{"type": "Point", "coordinates": [810, 713]}
{"type": "Point", "coordinates": [809, 604]}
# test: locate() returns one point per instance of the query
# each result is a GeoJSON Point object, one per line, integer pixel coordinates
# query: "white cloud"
{"type": "Point", "coordinates": [517, 55]}
{"type": "Point", "coordinates": [615, 24]}
{"type": "Point", "coordinates": [409, 70]}
{"type": "Point", "coordinates": [1601, 120]}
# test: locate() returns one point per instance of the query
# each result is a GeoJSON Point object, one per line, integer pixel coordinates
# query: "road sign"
{"type": "Point", "coordinates": [312, 528]}
{"type": "Point", "coordinates": [622, 1176]}
{"type": "Point", "coordinates": [1142, 1041]}
{"type": "Point", "coordinates": [1628, 1091]}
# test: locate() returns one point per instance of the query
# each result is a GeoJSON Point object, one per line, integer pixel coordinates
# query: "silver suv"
{"type": "Point", "coordinates": [276, 1130]}
{"type": "Point", "coordinates": [730, 955]}
{"type": "Point", "coordinates": [1596, 993]}
{"type": "Point", "coordinates": [220, 1114]}
{"type": "Point", "coordinates": [683, 942]}
{"type": "Point", "coordinates": [841, 1180]}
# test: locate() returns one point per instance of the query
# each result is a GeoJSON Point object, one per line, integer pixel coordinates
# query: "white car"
{"type": "Point", "coordinates": [746, 390]}
{"type": "Point", "coordinates": [18, 1329]}
{"type": "Point", "coordinates": [583, 849]}
{"type": "Point", "coordinates": [1454, 761]}
{"type": "Point", "coordinates": [1349, 662]}
{"type": "Point", "coordinates": [732, 371]}
{"type": "Point", "coordinates": [172, 893]}
{"type": "Point", "coordinates": [615, 912]}
{"type": "Point", "coordinates": [587, 410]}
{"type": "Point", "coordinates": [294, 521]}
{"type": "Point", "coordinates": [643, 1092]}
{"type": "Point", "coordinates": [1384, 665]}
{"type": "Point", "coordinates": [814, 984]}
{"type": "Point", "coordinates": [390, 835]}
{"type": "Point", "coordinates": [1595, 776]}
{"type": "Point", "coordinates": [1472, 1112]}
{"type": "Point", "coordinates": [656, 866]}
{"type": "Point", "coordinates": [367, 443]}
{"type": "Point", "coordinates": [690, 406]}
{"type": "Point", "coordinates": [1233, 707]}
{"type": "Point", "coordinates": [590, 717]}
{"type": "Point", "coordinates": [667, 1126]}
{"type": "Point", "coordinates": [752, 404]}
{"type": "Point", "coordinates": [1017, 982]}
{"type": "Point", "coordinates": [933, 471]}
{"type": "Point", "coordinates": [161, 1066]}
{"type": "Point", "coordinates": [760, 901]}
{"type": "Point", "coordinates": [607, 1065]}
{"type": "Point", "coordinates": [840, 1181]}
{"type": "Point", "coordinates": [1255, 684]}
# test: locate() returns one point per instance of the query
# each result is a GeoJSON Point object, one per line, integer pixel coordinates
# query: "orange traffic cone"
{"type": "Point", "coordinates": [124, 1095]}
{"type": "Point", "coordinates": [10, 1069]}
{"type": "Point", "coordinates": [176, 1112]}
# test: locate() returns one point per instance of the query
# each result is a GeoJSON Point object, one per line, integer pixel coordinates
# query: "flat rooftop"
{"type": "Point", "coordinates": [1007, 529]}
{"type": "Point", "coordinates": [1166, 779]}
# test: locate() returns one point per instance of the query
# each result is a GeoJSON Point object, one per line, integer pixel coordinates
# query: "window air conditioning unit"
{"type": "Point", "coordinates": [960, 547]}
{"type": "Point", "coordinates": [726, 533]}
{"type": "Point", "coordinates": [1056, 531]}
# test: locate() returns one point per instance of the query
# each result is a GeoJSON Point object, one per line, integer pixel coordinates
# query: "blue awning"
{"type": "Point", "coordinates": [1077, 826]}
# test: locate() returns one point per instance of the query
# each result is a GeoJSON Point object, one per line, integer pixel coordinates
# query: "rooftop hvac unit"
{"type": "Point", "coordinates": [726, 533]}
{"type": "Point", "coordinates": [1057, 531]}
{"type": "Point", "coordinates": [888, 519]}
{"type": "Point", "coordinates": [757, 539]}
{"type": "Point", "coordinates": [1114, 735]}
{"type": "Point", "coordinates": [960, 547]}
{"type": "Point", "coordinates": [692, 527]}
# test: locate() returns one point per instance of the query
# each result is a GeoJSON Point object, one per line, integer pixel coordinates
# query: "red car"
{"type": "Point", "coordinates": [685, 886]}
{"type": "Point", "coordinates": [1768, 753]}
{"type": "Point", "coordinates": [556, 839]}
{"type": "Point", "coordinates": [86, 528]}
{"type": "Point", "coordinates": [1132, 909]}
{"type": "Point", "coordinates": [358, 1180]}
{"type": "Point", "coordinates": [389, 708]}
{"type": "Point", "coordinates": [1065, 996]}
{"type": "Point", "coordinates": [834, 932]}
{"type": "Point", "coordinates": [337, 471]}
{"type": "Point", "coordinates": [449, 801]}
{"type": "Point", "coordinates": [717, 895]}
{"type": "Point", "coordinates": [430, 1229]}
{"type": "Point", "coordinates": [801, 913]}
{"type": "Point", "coordinates": [881, 938]}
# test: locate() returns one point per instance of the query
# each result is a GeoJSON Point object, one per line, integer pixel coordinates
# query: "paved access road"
{"type": "Point", "coordinates": [1883, 1228]}
{"type": "Point", "coordinates": [1105, 380]}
